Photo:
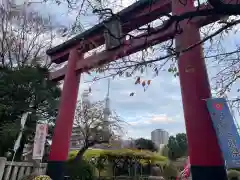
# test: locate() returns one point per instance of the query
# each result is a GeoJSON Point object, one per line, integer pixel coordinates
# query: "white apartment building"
{"type": "Point", "coordinates": [76, 141]}
{"type": "Point", "coordinates": [159, 136]}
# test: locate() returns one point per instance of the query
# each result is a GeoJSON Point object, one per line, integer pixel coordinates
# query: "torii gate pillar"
{"type": "Point", "coordinates": [205, 155]}
{"type": "Point", "coordinates": [63, 130]}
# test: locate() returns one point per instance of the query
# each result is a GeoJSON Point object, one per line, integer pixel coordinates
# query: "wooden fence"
{"type": "Point", "coordinates": [16, 170]}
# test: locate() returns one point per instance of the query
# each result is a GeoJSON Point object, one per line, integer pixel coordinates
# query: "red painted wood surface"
{"type": "Point", "coordinates": [130, 47]}
{"type": "Point", "coordinates": [203, 146]}
{"type": "Point", "coordinates": [137, 18]}
{"type": "Point", "coordinates": [131, 22]}
{"type": "Point", "coordinates": [63, 129]}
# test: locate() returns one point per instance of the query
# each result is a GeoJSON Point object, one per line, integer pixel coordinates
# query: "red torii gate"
{"type": "Point", "coordinates": [205, 156]}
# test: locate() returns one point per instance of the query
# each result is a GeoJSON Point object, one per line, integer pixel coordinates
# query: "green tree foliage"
{"type": "Point", "coordinates": [145, 144]}
{"type": "Point", "coordinates": [170, 171]}
{"type": "Point", "coordinates": [177, 146]}
{"type": "Point", "coordinates": [26, 89]}
{"type": "Point", "coordinates": [164, 151]}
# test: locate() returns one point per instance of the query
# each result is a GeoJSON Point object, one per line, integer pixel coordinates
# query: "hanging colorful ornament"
{"type": "Point", "coordinates": [149, 82]}
{"type": "Point", "coordinates": [138, 80]}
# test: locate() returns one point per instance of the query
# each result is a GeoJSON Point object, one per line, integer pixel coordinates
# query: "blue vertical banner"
{"type": "Point", "coordinates": [226, 131]}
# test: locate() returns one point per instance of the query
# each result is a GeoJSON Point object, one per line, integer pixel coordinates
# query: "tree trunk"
{"type": "Point", "coordinates": [79, 156]}
{"type": "Point", "coordinates": [99, 174]}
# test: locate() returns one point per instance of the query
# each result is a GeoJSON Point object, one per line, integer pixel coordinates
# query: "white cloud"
{"type": "Point", "coordinates": [161, 119]}
{"type": "Point", "coordinates": [155, 119]}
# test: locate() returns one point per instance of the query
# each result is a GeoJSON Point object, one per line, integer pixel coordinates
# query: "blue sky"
{"type": "Point", "coordinates": [146, 110]}
{"type": "Point", "coordinates": [159, 107]}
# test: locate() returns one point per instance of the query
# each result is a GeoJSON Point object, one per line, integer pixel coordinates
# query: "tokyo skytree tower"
{"type": "Point", "coordinates": [107, 111]}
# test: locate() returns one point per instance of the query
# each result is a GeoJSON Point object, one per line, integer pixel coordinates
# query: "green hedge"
{"type": "Point", "coordinates": [112, 157]}
{"type": "Point", "coordinates": [122, 153]}
{"type": "Point", "coordinates": [233, 175]}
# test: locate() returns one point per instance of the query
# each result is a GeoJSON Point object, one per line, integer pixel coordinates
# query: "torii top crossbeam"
{"type": "Point", "coordinates": [133, 17]}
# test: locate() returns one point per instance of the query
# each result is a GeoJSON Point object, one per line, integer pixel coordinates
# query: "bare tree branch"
{"type": "Point", "coordinates": [25, 35]}
{"type": "Point", "coordinates": [94, 127]}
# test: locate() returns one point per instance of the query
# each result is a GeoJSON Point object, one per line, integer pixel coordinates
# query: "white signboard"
{"type": "Point", "coordinates": [39, 141]}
